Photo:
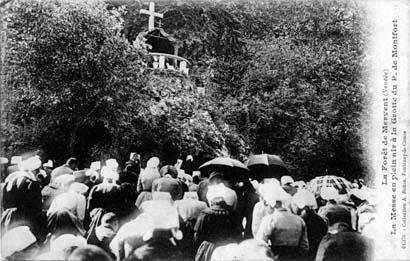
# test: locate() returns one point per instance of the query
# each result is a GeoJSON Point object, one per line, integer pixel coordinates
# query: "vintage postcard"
{"type": "Point", "coordinates": [204, 130]}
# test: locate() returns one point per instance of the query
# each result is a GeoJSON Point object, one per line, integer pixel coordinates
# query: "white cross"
{"type": "Point", "coordinates": [152, 15]}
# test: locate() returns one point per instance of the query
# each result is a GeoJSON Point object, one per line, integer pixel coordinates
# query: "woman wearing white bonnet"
{"type": "Point", "coordinates": [147, 227]}
{"type": "Point", "coordinates": [108, 195]}
{"type": "Point", "coordinates": [262, 208]}
{"type": "Point", "coordinates": [73, 200]}
{"type": "Point", "coordinates": [285, 231]}
{"type": "Point", "coordinates": [145, 179]}
{"type": "Point", "coordinates": [219, 223]}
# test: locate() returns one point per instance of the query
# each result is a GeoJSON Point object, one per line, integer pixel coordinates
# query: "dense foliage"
{"type": "Point", "coordinates": [283, 77]}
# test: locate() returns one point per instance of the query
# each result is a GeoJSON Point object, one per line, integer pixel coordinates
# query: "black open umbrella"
{"type": "Point", "coordinates": [231, 168]}
{"type": "Point", "coordinates": [266, 166]}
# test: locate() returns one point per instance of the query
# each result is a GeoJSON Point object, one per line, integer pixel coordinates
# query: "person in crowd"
{"type": "Point", "coordinates": [247, 250]}
{"type": "Point", "coordinates": [365, 210]}
{"type": "Point", "coordinates": [68, 168]}
{"type": "Point", "coordinates": [130, 176]}
{"type": "Point", "coordinates": [48, 167]}
{"type": "Point", "coordinates": [214, 179]}
{"type": "Point", "coordinates": [287, 184]}
{"type": "Point", "coordinates": [19, 243]}
{"type": "Point", "coordinates": [133, 169]}
{"type": "Point", "coordinates": [89, 253]}
{"type": "Point", "coordinates": [189, 209]}
{"type": "Point", "coordinates": [62, 246]}
{"type": "Point", "coordinates": [194, 185]}
{"type": "Point", "coordinates": [64, 222]}
{"type": "Point", "coordinates": [333, 212]}
{"type": "Point", "coordinates": [256, 250]}
{"type": "Point", "coordinates": [72, 200]}
{"type": "Point", "coordinates": [145, 180]}
{"type": "Point", "coordinates": [262, 208]}
{"type": "Point", "coordinates": [108, 194]}
{"type": "Point", "coordinates": [59, 185]}
{"type": "Point", "coordinates": [188, 165]}
{"type": "Point", "coordinates": [85, 176]}
{"type": "Point", "coordinates": [345, 246]}
{"type": "Point", "coordinates": [104, 232]}
{"type": "Point", "coordinates": [150, 235]}
{"type": "Point", "coordinates": [286, 231]}
{"type": "Point", "coordinates": [247, 199]}
{"type": "Point", "coordinates": [169, 182]}
{"type": "Point", "coordinates": [220, 223]}
{"type": "Point", "coordinates": [304, 205]}
{"type": "Point", "coordinates": [21, 202]}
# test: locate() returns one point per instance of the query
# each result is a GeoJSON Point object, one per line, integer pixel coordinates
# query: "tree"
{"type": "Point", "coordinates": [281, 77]}
{"type": "Point", "coordinates": [70, 72]}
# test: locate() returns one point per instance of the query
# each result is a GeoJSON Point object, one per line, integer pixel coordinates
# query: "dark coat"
{"type": "Point", "coordinates": [345, 246]}
{"type": "Point", "coordinates": [24, 193]}
{"type": "Point", "coordinates": [316, 229]}
{"type": "Point", "coordinates": [218, 225]}
{"type": "Point", "coordinates": [107, 196]}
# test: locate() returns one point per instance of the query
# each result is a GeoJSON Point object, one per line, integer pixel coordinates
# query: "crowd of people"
{"type": "Point", "coordinates": [110, 212]}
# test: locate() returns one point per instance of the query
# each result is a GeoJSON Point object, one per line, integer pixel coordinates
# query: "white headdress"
{"type": "Point", "coordinates": [31, 163]}
{"type": "Point", "coordinates": [304, 198]}
{"type": "Point", "coordinates": [329, 193]}
{"type": "Point", "coordinates": [48, 164]}
{"type": "Point", "coordinates": [15, 240]}
{"type": "Point", "coordinates": [286, 180]}
{"type": "Point", "coordinates": [96, 165]}
{"type": "Point", "coordinates": [112, 164]}
{"type": "Point", "coordinates": [220, 191]}
{"type": "Point", "coordinates": [16, 160]}
{"type": "Point", "coordinates": [4, 160]}
{"type": "Point", "coordinates": [108, 173]}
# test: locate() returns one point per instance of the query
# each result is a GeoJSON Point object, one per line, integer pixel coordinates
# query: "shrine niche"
{"type": "Point", "coordinates": [162, 47]}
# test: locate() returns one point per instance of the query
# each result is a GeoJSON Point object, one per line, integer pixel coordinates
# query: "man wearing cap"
{"type": "Point", "coordinates": [68, 168]}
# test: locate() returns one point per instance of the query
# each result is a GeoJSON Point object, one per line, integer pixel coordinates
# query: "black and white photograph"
{"type": "Point", "coordinates": [204, 130]}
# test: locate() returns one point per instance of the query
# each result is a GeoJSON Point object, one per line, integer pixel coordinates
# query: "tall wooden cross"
{"type": "Point", "coordinates": [152, 15]}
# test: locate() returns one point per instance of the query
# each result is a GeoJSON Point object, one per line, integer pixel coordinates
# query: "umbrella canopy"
{"type": "Point", "coordinates": [225, 165]}
{"type": "Point", "coordinates": [341, 184]}
{"type": "Point", "coordinates": [266, 166]}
